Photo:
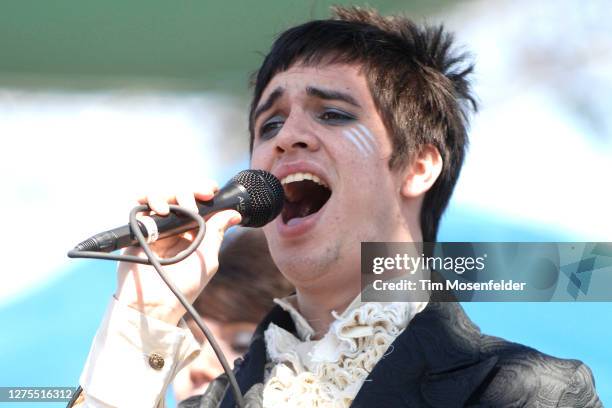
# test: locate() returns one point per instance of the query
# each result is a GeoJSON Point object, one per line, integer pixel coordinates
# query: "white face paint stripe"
{"type": "Point", "coordinates": [367, 132]}
{"type": "Point", "coordinates": [353, 139]}
{"type": "Point", "coordinates": [363, 140]}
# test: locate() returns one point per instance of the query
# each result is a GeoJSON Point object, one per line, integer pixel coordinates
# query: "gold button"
{"type": "Point", "coordinates": [156, 361]}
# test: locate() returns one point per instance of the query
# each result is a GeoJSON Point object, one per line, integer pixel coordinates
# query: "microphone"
{"type": "Point", "coordinates": [256, 194]}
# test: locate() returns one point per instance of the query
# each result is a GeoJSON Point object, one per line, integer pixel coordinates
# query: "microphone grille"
{"type": "Point", "coordinates": [266, 197]}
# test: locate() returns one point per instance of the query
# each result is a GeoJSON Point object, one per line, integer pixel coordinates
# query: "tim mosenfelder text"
{"type": "Point", "coordinates": [456, 285]}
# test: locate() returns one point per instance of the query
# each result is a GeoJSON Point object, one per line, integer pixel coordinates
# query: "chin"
{"type": "Point", "coordinates": [311, 265]}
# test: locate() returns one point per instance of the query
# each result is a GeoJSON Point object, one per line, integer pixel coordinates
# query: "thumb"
{"type": "Point", "coordinates": [215, 229]}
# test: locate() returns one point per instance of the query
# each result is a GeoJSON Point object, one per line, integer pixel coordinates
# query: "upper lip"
{"type": "Point", "coordinates": [285, 169]}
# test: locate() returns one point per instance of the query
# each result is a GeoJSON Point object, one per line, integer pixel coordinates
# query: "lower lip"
{"type": "Point", "coordinates": [299, 226]}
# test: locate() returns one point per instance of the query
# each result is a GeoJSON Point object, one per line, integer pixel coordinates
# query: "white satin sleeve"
{"type": "Point", "coordinates": [133, 359]}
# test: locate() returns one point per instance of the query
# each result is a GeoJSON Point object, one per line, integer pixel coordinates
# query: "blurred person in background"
{"type": "Point", "coordinates": [231, 305]}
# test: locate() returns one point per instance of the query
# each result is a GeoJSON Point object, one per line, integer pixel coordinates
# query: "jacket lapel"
{"type": "Point", "coordinates": [434, 362]}
{"type": "Point", "coordinates": [250, 370]}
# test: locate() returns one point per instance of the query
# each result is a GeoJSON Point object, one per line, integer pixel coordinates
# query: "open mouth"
{"type": "Point", "coordinates": [305, 194]}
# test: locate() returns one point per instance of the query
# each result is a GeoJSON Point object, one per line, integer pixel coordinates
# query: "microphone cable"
{"type": "Point", "coordinates": [157, 263]}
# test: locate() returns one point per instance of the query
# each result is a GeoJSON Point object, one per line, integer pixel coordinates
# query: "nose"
{"type": "Point", "coordinates": [297, 133]}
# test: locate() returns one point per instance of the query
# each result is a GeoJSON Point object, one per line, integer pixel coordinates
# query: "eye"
{"type": "Point", "coordinates": [271, 127]}
{"type": "Point", "coordinates": [240, 341]}
{"type": "Point", "coordinates": [333, 116]}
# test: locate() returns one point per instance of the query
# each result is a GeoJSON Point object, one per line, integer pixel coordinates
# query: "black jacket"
{"type": "Point", "coordinates": [440, 360]}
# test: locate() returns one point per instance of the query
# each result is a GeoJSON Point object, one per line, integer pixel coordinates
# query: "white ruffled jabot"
{"type": "Point", "coordinates": [329, 372]}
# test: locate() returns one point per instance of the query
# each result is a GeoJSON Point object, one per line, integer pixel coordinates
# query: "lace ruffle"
{"type": "Point", "coordinates": [329, 372]}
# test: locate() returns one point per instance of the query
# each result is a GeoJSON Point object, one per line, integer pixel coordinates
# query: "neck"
{"type": "Point", "coordinates": [316, 302]}
{"type": "Point", "coordinates": [317, 306]}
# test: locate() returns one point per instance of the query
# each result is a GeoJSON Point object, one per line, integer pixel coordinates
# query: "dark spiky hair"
{"type": "Point", "coordinates": [418, 82]}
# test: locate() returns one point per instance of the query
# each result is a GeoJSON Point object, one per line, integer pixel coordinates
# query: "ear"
{"type": "Point", "coordinates": [422, 172]}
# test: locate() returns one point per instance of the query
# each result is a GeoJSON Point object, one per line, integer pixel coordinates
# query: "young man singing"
{"type": "Point", "coordinates": [363, 118]}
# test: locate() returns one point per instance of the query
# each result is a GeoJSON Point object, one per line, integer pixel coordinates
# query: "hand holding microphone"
{"type": "Point", "coordinates": [252, 198]}
{"type": "Point", "coordinates": [139, 287]}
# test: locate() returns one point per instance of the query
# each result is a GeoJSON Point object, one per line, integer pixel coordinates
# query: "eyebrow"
{"type": "Point", "coordinates": [277, 93]}
{"type": "Point", "coordinates": [329, 94]}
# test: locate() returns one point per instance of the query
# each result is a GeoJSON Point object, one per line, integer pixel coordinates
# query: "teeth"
{"type": "Point", "coordinates": [302, 176]}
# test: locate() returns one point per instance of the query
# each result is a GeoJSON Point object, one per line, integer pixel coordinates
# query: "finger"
{"type": "Point", "coordinates": [159, 204]}
{"type": "Point", "coordinates": [206, 190]}
{"type": "Point", "coordinates": [187, 201]}
{"type": "Point", "coordinates": [215, 229]}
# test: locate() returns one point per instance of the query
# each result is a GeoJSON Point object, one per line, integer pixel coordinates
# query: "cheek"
{"type": "Point", "coordinates": [361, 141]}
{"type": "Point", "coordinates": [261, 156]}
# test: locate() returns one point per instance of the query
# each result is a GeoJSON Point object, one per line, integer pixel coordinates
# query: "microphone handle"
{"type": "Point", "coordinates": [230, 197]}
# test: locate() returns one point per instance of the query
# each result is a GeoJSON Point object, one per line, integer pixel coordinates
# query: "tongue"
{"type": "Point", "coordinates": [294, 221]}
{"type": "Point", "coordinates": [303, 212]}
